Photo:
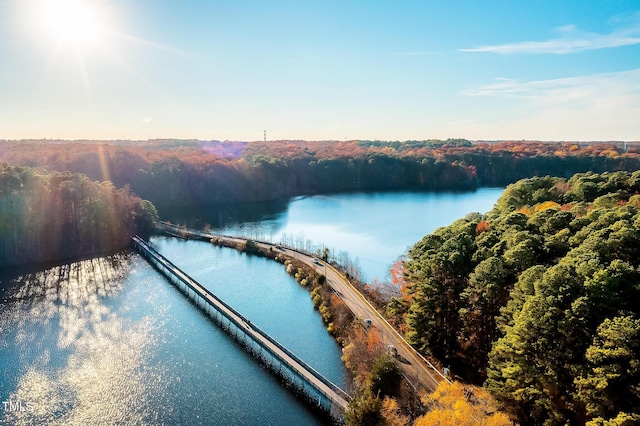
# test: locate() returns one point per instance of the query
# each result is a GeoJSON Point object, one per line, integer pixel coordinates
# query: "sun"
{"type": "Point", "coordinates": [72, 23]}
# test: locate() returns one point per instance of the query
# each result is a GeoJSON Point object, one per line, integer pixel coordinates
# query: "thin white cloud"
{"type": "Point", "coordinates": [591, 107]}
{"type": "Point", "coordinates": [570, 40]}
{"type": "Point", "coordinates": [565, 89]}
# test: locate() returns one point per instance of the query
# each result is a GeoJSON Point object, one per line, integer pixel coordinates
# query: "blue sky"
{"type": "Point", "coordinates": [316, 70]}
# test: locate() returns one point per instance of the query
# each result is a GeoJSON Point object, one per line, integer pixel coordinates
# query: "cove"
{"type": "Point", "coordinates": [374, 228]}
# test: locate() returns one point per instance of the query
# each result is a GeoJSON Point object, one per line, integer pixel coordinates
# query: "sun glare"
{"type": "Point", "coordinates": [73, 23]}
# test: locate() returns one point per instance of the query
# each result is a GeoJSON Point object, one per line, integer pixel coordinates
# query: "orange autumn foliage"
{"type": "Point", "coordinates": [374, 342]}
{"type": "Point", "coordinates": [546, 206]}
{"type": "Point", "coordinates": [391, 414]}
{"type": "Point", "coordinates": [526, 210]}
{"type": "Point", "coordinates": [567, 207]}
{"type": "Point", "coordinates": [364, 347]}
{"type": "Point", "coordinates": [483, 226]}
{"type": "Point", "coordinates": [460, 405]}
{"type": "Point", "coordinates": [397, 275]}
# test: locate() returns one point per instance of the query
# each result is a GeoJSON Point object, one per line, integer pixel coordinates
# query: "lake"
{"type": "Point", "coordinates": [109, 340]}
{"type": "Point", "coordinates": [374, 228]}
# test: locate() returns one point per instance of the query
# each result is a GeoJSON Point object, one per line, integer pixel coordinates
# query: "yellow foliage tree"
{"type": "Point", "coordinates": [546, 206]}
{"type": "Point", "coordinates": [359, 354]}
{"type": "Point", "coordinates": [390, 413]}
{"type": "Point", "coordinates": [459, 405]}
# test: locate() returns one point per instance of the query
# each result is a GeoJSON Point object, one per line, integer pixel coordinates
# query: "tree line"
{"type": "Point", "coordinates": [46, 216]}
{"type": "Point", "coordinates": [172, 172]}
{"type": "Point", "coordinates": [537, 299]}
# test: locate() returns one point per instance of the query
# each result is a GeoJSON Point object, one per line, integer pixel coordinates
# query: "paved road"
{"type": "Point", "coordinates": [414, 366]}
{"type": "Point", "coordinates": [420, 373]}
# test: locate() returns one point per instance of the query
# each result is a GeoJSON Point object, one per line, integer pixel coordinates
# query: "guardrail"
{"type": "Point", "coordinates": [198, 288]}
{"type": "Point", "coordinates": [398, 335]}
{"type": "Point", "coordinates": [364, 299]}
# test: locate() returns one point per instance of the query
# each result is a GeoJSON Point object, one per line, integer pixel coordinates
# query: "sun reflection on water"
{"type": "Point", "coordinates": [79, 360]}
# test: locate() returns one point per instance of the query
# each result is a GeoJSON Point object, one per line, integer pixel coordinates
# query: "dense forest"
{"type": "Point", "coordinates": [48, 216]}
{"type": "Point", "coordinates": [537, 299]}
{"type": "Point", "coordinates": [174, 172]}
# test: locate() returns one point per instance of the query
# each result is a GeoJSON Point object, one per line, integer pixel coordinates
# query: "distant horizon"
{"type": "Point", "coordinates": [315, 140]}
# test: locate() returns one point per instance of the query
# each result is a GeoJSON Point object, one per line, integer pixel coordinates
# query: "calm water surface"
{"type": "Point", "coordinates": [374, 228]}
{"type": "Point", "coordinates": [108, 340]}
